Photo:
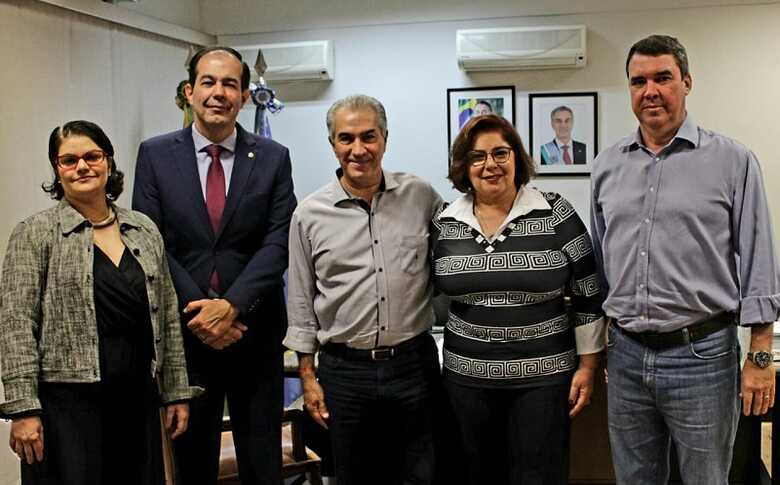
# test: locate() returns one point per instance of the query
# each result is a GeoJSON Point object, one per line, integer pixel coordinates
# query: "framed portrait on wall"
{"type": "Point", "coordinates": [464, 103]}
{"type": "Point", "coordinates": [563, 132]}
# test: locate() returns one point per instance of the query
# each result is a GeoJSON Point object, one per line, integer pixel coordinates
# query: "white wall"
{"type": "Point", "coordinates": [180, 12]}
{"type": "Point", "coordinates": [60, 66]}
{"type": "Point", "coordinates": [734, 60]}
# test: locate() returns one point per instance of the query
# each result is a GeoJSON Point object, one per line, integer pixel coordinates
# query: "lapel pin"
{"type": "Point", "coordinates": [251, 155]}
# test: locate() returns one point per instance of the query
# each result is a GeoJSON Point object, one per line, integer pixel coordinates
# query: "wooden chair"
{"type": "Point", "coordinates": [297, 460]}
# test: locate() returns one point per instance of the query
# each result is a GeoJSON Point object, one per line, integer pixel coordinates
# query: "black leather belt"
{"type": "Point", "coordinates": [691, 333]}
{"type": "Point", "coordinates": [377, 354]}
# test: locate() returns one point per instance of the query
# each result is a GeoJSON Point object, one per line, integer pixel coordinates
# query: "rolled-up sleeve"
{"type": "Point", "coordinates": [758, 271]}
{"type": "Point", "coordinates": [301, 290]}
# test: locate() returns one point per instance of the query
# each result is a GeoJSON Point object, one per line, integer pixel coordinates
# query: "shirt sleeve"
{"type": "Point", "coordinates": [23, 282]}
{"type": "Point", "coordinates": [301, 290]}
{"type": "Point", "coordinates": [587, 317]}
{"type": "Point", "coordinates": [752, 233]}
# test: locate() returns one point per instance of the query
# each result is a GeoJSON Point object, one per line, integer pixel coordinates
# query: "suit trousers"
{"type": "Point", "coordinates": [251, 379]}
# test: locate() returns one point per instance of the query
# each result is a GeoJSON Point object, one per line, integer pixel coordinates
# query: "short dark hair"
{"type": "Point", "coordinates": [192, 69]}
{"type": "Point", "coordinates": [561, 108]}
{"type": "Point", "coordinates": [486, 103]}
{"type": "Point", "coordinates": [92, 131]}
{"type": "Point", "coordinates": [658, 45]}
{"type": "Point", "coordinates": [525, 169]}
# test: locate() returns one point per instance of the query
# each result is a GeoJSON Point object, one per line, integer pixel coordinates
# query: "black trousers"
{"type": "Point", "coordinates": [101, 434]}
{"type": "Point", "coordinates": [251, 379]}
{"type": "Point", "coordinates": [512, 436]}
{"type": "Point", "coordinates": [381, 416]}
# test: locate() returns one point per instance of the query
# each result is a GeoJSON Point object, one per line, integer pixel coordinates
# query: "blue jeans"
{"type": "Point", "coordinates": [688, 393]}
{"type": "Point", "coordinates": [381, 414]}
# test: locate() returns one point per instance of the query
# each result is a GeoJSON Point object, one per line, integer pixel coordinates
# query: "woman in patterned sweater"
{"type": "Point", "coordinates": [517, 361]}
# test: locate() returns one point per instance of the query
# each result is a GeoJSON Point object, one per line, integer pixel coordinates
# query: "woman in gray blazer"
{"type": "Point", "coordinates": [90, 338]}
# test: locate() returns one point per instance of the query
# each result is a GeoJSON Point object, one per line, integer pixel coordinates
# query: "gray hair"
{"type": "Point", "coordinates": [357, 102]}
{"type": "Point", "coordinates": [658, 45]}
{"type": "Point", "coordinates": [561, 108]}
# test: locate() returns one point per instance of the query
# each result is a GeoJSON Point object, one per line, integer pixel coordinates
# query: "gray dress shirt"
{"type": "Point", "coordinates": [683, 235]}
{"type": "Point", "coordinates": [360, 275]}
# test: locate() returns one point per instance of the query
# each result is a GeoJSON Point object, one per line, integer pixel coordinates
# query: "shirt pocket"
{"type": "Point", "coordinates": [412, 253]}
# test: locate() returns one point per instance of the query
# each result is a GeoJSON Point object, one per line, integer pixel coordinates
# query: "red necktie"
{"type": "Point", "coordinates": [566, 156]}
{"type": "Point", "coordinates": [215, 197]}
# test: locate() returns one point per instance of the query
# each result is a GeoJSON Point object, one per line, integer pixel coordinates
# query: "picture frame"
{"type": "Point", "coordinates": [563, 132]}
{"type": "Point", "coordinates": [463, 103]}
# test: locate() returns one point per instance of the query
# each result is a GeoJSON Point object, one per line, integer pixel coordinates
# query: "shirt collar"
{"type": "Point", "coordinates": [202, 142]}
{"type": "Point", "coordinates": [71, 219]}
{"type": "Point", "coordinates": [338, 193]}
{"type": "Point", "coordinates": [527, 199]}
{"type": "Point", "coordinates": [688, 131]}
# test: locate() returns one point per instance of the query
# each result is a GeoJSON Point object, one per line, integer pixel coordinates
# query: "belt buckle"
{"type": "Point", "coordinates": [386, 353]}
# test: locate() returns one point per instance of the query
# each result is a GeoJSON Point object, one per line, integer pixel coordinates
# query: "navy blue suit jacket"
{"type": "Point", "coordinates": [249, 250]}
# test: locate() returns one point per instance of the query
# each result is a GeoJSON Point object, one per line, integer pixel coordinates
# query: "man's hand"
{"type": "Point", "coordinates": [758, 389]}
{"type": "Point", "coordinates": [215, 322]}
{"type": "Point", "coordinates": [313, 395]}
{"type": "Point", "coordinates": [758, 385]}
{"type": "Point", "coordinates": [582, 383]}
{"type": "Point", "coordinates": [176, 418]}
{"type": "Point", "coordinates": [26, 438]}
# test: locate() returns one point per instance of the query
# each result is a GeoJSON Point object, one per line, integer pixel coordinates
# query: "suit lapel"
{"type": "Point", "coordinates": [184, 156]}
{"type": "Point", "coordinates": [246, 157]}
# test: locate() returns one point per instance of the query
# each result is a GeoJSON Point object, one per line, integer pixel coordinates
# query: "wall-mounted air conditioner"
{"type": "Point", "coordinates": [514, 48]}
{"type": "Point", "coordinates": [293, 61]}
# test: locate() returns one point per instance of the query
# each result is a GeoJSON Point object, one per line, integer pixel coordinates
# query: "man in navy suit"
{"type": "Point", "coordinates": [223, 198]}
{"type": "Point", "coordinates": [563, 150]}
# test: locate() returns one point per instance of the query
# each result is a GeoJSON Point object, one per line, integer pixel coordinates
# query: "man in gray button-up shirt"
{"type": "Point", "coordinates": [359, 292]}
{"type": "Point", "coordinates": [681, 228]}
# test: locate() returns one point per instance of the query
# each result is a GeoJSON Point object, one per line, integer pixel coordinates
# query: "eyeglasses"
{"type": "Point", "coordinates": [92, 157]}
{"type": "Point", "coordinates": [477, 158]}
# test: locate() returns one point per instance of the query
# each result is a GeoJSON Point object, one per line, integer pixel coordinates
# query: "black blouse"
{"type": "Point", "coordinates": [122, 313]}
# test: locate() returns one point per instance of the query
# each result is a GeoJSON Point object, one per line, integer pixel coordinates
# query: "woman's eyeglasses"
{"type": "Point", "coordinates": [500, 155]}
{"type": "Point", "coordinates": [92, 158]}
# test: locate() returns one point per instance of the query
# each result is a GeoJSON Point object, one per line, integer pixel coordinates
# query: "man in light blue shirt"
{"type": "Point", "coordinates": [681, 229]}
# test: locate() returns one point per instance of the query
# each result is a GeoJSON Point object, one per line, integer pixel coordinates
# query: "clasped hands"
{"type": "Point", "coordinates": [215, 322]}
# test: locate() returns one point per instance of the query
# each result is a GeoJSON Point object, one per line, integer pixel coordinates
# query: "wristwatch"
{"type": "Point", "coordinates": [761, 358]}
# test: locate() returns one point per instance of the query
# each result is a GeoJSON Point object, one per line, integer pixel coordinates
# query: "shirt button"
{"type": "Point", "coordinates": [647, 220]}
{"type": "Point", "coordinates": [136, 251]}
{"type": "Point", "coordinates": [657, 159]}
{"type": "Point", "coordinates": [641, 317]}
{"type": "Point", "coordinates": [380, 270]}
{"type": "Point", "coordinates": [382, 299]}
{"type": "Point", "coordinates": [643, 253]}
{"type": "Point", "coordinates": [154, 309]}
{"type": "Point", "coordinates": [382, 328]}
{"type": "Point", "coordinates": [150, 277]}
{"type": "Point", "coordinates": [641, 285]}
{"type": "Point", "coordinates": [652, 189]}
{"type": "Point", "coordinates": [376, 242]}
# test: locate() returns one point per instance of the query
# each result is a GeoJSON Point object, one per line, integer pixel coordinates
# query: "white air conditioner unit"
{"type": "Point", "coordinates": [293, 61]}
{"type": "Point", "coordinates": [514, 48]}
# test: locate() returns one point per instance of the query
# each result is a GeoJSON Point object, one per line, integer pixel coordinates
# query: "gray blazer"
{"type": "Point", "coordinates": [48, 329]}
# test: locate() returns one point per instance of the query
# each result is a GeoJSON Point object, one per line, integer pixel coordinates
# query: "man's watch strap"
{"type": "Point", "coordinates": [761, 358]}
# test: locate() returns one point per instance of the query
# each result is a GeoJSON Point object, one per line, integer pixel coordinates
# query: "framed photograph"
{"type": "Point", "coordinates": [464, 103]}
{"type": "Point", "coordinates": [563, 132]}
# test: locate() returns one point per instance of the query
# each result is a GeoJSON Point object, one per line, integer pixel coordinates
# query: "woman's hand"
{"type": "Point", "coordinates": [176, 418]}
{"type": "Point", "coordinates": [582, 383]}
{"type": "Point", "coordinates": [27, 438]}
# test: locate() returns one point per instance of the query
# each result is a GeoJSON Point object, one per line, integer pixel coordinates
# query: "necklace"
{"type": "Point", "coordinates": [110, 218]}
